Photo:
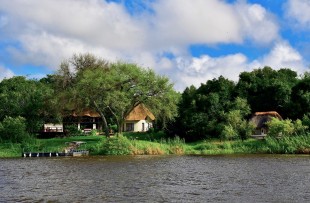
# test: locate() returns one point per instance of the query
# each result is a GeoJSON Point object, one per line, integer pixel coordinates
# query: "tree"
{"type": "Point", "coordinates": [27, 98]}
{"type": "Point", "coordinates": [267, 89]}
{"type": "Point", "coordinates": [13, 130]}
{"type": "Point", "coordinates": [235, 125]}
{"type": "Point", "coordinates": [114, 89]}
{"type": "Point", "coordinates": [202, 110]}
{"type": "Point", "coordinates": [301, 98]}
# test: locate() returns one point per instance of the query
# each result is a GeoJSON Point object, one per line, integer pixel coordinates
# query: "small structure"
{"type": "Point", "coordinates": [260, 120]}
{"type": "Point", "coordinates": [85, 120]}
{"type": "Point", "coordinates": [53, 127]}
{"type": "Point", "coordinates": [140, 119]}
{"type": "Point", "coordinates": [71, 150]}
{"type": "Point", "coordinates": [51, 130]}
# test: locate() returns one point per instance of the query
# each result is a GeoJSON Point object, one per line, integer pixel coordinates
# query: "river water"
{"type": "Point", "coordinates": [242, 178]}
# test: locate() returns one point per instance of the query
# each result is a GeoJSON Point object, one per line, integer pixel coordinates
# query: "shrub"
{"type": "Point", "coordinates": [176, 145]}
{"type": "Point", "coordinates": [236, 127]}
{"type": "Point", "coordinates": [299, 128]}
{"type": "Point", "coordinates": [14, 130]}
{"type": "Point", "coordinates": [93, 132]}
{"type": "Point", "coordinates": [119, 145]}
{"type": "Point", "coordinates": [72, 130]}
{"type": "Point", "coordinates": [306, 120]}
{"type": "Point", "coordinates": [229, 133]}
{"type": "Point", "coordinates": [285, 127]}
{"type": "Point", "coordinates": [280, 127]}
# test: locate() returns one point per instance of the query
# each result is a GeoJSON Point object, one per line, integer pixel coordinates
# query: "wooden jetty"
{"type": "Point", "coordinates": [71, 150]}
{"type": "Point", "coordinates": [73, 153]}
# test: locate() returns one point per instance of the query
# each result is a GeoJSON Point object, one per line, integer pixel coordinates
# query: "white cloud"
{"type": "Point", "coordinates": [48, 31]}
{"type": "Point", "coordinates": [50, 50]}
{"type": "Point", "coordinates": [182, 22]}
{"type": "Point", "coordinates": [93, 22]}
{"type": "Point", "coordinates": [284, 56]}
{"type": "Point", "coordinates": [198, 70]}
{"type": "Point", "coordinates": [257, 23]}
{"type": "Point", "coordinates": [3, 21]}
{"type": "Point", "coordinates": [298, 10]}
{"type": "Point", "coordinates": [5, 73]}
{"type": "Point", "coordinates": [193, 70]}
{"type": "Point", "coordinates": [45, 27]}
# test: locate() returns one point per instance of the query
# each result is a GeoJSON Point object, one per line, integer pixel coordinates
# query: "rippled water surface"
{"type": "Point", "coordinates": [156, 179]}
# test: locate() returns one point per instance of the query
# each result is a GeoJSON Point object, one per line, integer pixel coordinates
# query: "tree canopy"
{"type": "Point", "coordinates": [218, 108]}
{"type": "Point", "coordinates": [221, 108]}
{"type": "Point", "coordinates": [114, 89]}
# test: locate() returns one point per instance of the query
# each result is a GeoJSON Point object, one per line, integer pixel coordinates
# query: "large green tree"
{"type": "Point", "coordinates": [202, 110]}
{"type": "Point", "coordinates": [267, 89]}
{"type": "Point", "coordinates": [114, 89]}
{"type": "Point", "coordinates": [301, 98]}
{"type": "Point", "coordinates": [20, 96]}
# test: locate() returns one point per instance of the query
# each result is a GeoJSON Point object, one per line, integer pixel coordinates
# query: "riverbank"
{"type": "Point", "coordinates": [143, 145]}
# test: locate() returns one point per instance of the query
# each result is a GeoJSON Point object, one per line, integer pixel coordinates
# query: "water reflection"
{"type": "Point", "coordinates": [156, 179]}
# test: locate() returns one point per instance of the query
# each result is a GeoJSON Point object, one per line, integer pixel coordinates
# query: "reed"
{"type": "Point", "coordinates": [124, 145]}
{"type": "Point", "coordinates": [10, 150]}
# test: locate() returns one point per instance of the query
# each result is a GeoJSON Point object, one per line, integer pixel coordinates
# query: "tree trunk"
{"type": "Point", "coordinates": [117, 120]}
{"type": "Point", "coordinates": [104, 120]}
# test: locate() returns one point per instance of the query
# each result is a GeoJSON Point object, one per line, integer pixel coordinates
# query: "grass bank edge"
{"type": "Point", "coordinates": [128, 145]}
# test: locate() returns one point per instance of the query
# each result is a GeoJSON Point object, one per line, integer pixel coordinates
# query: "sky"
{"type": "Point", "coordinates": [189, 41]}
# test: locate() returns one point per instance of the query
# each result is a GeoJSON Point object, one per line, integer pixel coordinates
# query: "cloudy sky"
{"type": "Point", "coordinates": [190, 41]}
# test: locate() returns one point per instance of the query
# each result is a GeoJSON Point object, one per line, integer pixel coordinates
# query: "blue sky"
{"type": "Point", "coordinates": [190, 41]}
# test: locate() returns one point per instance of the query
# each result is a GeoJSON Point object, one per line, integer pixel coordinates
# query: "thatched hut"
{"type": "Point", "coordinates": [260, 119]}
{"type": "Point", "coordinates": [140, 119]}
{"type": "Point", "coordinates": [87, 120]}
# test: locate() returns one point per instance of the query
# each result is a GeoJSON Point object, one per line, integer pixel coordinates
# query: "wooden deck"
{"type": "Point", "coordinates": [259, 137]}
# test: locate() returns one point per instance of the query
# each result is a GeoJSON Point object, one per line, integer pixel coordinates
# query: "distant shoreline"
{"type": "Point", "coordinates": [99, 145]}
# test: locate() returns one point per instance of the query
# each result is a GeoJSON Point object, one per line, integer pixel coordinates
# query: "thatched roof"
{"type": "Point", "coordinates": [261, 118]}
{"type": "Point", "coordinates": [269, 113]}
{"type": "Point", "coordinates": [140, 112]}
{"type": "Point", "coordinates": [86, 112]}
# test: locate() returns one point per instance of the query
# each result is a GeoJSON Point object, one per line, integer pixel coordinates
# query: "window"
{"type": "Point", "coordinates": [130, 127]}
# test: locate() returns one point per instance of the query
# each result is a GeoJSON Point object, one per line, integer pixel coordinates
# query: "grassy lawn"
{"type": "Point", "coordinates": [156, 144]}
{"type": "Point", "coordinates": [46, 145]}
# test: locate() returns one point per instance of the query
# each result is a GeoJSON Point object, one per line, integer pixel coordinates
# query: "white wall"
{"type": "Point", "coordinates": [138, 125]}
{"type": "Point", "coordinates": [53, 127]}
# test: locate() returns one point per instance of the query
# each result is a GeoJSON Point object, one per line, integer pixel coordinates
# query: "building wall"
{"type": "Point", "coordinates": [138, 126]}
{"type": "Point", "coordinates": [53, 127]}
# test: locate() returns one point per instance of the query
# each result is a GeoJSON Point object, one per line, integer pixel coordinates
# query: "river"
{"type": "Point", "coordinates": [233, 178]}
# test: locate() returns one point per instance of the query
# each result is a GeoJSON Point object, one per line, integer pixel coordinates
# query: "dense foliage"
{"type": "Point", "coordinates": [221, 108]}
{"type": "Point", "coordinates": [113, 89]}
{"type": "Point", "coordinates": [13, 130]}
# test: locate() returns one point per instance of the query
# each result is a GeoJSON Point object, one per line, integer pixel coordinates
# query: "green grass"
{"type": "Point", "coordinates": [10, 150]}
{"type": "Point", "coordinates": [156, 144]}
{"type": "Point", "coordinates": [148, 136]}
{"type": "Point", "coordinates": [285, 145]}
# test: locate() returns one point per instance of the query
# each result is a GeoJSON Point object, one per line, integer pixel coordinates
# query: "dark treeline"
{"type": "Point", "coordinates": [83, 82]}
{"type": "Point", "coordinates": [220, 107]}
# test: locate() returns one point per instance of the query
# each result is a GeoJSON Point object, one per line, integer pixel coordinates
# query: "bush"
{"type": "Point", "coordinates": [280, 127]}
{"type": "Point", "coordinates": [306, 120]}
{"type": "Point", "coordinates": [72, 130]}
{"type": "Point", "coordinates": [236, 127]}
{"type": "Point", "coordinates": [285, 127]}
{"type": "Point", "coordinates": [299, 128]}
{"type": "Point", "coordinates": [119, 145]}
{"type": "Point", "coordinates": [229, 133]}
{"type": "Point", "coordinates": [14, 130]}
